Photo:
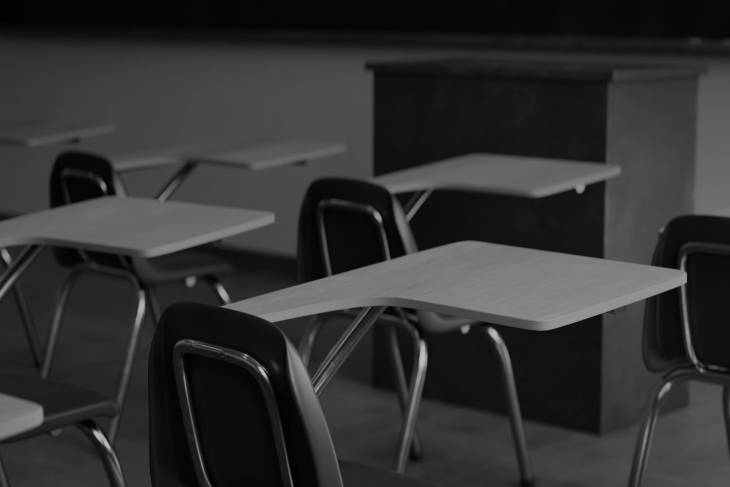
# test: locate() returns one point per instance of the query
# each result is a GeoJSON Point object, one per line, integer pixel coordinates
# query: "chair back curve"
{"type": "Point", "coordinates": [705, 240]}
{"type": "Point", "coordinates": [78, 176]}
{"type": "Point", "coordinates": [353, 238]}
{"type": "Point", "coordinates": [235, 420]}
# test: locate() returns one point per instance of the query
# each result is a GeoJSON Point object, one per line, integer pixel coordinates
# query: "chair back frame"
{"type": "Point", "coordinates": [115, 187]}
{"type": "Point", "coordinates": [684, 252]}
{"type": "Point", "coordinates": [339, 204]}
{"type": "Point", "coordinates": [70, 172]}
{"type": "Point", "coordinates": [251, 365]}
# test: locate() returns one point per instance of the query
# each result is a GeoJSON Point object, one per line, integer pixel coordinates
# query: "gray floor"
{"type": "Point", "coordinates": [463, 447]}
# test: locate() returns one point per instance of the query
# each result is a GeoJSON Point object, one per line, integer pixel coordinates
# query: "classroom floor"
{"type": "Point", "coordinates": [463, 447]}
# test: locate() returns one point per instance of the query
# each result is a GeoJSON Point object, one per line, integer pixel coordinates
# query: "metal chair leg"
{"type": "Point", "coordinates": [408, 425]}
{"type": "Point", "coordinates": [123, 384]}
{"type": "Point", "coordinates": [306, 345]}
{"type": "Point", "coordinates": [61, 301]}
{"type": "Point", "coordinates": [399, 377]}
{"type": "Point", "coordinates": [31, 333]}
{"type": "Point", "coordinates": [155, 311]}
{"type": "Point", "coordinates": [108, 457]}
{"type": "Point", "coordinates": [726, 411]}
{"type": "Point", "coordinates": [513, 406]}
{"type": "Point", "coordinates": [219, 289]}
{"type": "Point", "coordinates": [646, 430]}
{"type": "Point", "coordinates": [4, 482]}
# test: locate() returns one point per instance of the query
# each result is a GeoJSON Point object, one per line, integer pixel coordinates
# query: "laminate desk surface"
{"type": "Point", "coordinates": [36, 133]}
{"type": "Point", "coordinates": [254, 157]}
{"type": "Point", "coordinates": [510, 286]}
{"type": "Point", "coordinates": [18, 415]}
{"type": "Point", "coordinates": [529, 177]}
{"type": "Point", "coordinates": [723, 212]}
{"type": "Point", "coordinates": [130, 226]}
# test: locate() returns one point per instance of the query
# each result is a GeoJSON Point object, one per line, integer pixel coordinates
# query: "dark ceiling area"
{"type": "Point", "coordinates": [639, 18]}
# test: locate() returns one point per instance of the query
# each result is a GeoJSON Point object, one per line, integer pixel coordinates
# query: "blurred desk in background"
{"type": "Point", "coordinates": [243, 155]}
{"type": "Point", "coordinates": [37, 133]}
{"type": "Point", "coordinates": [526, 177]}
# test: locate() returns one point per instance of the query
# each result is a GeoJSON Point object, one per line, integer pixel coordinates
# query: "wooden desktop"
{"type": "Point", "coordinates": [516, 287]}
{"type": "Point", "coordinates": [18, 415]}
{"type": "Point", "coordinates": [526, 177]}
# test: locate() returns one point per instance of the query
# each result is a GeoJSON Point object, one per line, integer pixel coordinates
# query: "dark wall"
{"type": "Point", "coordinates": [620, 18]}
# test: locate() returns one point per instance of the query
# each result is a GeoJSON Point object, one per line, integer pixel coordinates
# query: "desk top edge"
{"type": "Point", "coordinates": [215, 154]}
{"type": "Point", "coordinates": [536, 69]}
{"type": "Point", "coordinates": [274, 306]}
{"type": "Point", "coordinates": [392, 181]}
{"type": "Point", "coordinates": [70, 133]}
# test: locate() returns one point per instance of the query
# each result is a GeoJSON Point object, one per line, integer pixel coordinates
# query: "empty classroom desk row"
{"type": "Point", "coordinates": [356, 251]}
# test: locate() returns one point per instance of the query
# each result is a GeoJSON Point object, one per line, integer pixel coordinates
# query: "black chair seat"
{"type": "Point", "coordinates": [356, 475]}
{"type": "Point", "coordinates": [178, 266]}
{"type": "Point", "coordinates": [63, 404]}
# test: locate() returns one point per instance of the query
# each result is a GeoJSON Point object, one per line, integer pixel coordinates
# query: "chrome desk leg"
{"type": "Point", "coordinates": [726, 411]}
{"type": "Point", "coordinates": [108, 457]}
{"type": "Point", "coordinates": [417, 379]}
{"type": "Point", "coordinates": [311, 332]}
{"type": "Point", "coordinates": [4, 482]}
{"type": "Point", "coordinates": [344, 346]}
{"type": "Point", "coordinates": [154, 302]}
{"type": "Point", "coordinates": [401, 384]}
{"type": "Point", "coordinates": [15, 269]}
{"type": "Point", "coordinates": [18, 267]}
{"type": "Point", "coordinates": [646, 430]}
{"type": "Point", "coordinates": [219, 289]}
{"type": "Point", "coordinates": [123, 384]}
{"type": "Point", "coordinates": [61, 301]}
{"type": "Point", "coordinates": [513, 406]}
{"type": "Point", "coordinates": [176, 180]}
{"type": "Point", "coordinates": [415, 203]}
{"type": "Point", "coordinates": [30, 332]}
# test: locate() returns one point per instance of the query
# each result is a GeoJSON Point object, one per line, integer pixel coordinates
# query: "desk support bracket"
{"type": "Point", "coordinates": [30, 330]}
{"type": "Point", "coordinates": [18, 267]}
{"type": "Point", "coordinates": [414, 204]}
{"type": "Point", "coordinates": [177, 180]}
{"type": "Point", "coordinates": [344, 346]}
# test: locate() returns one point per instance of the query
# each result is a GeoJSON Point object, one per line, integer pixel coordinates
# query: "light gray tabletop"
{"type": "Point", "coordinates": [246, 155]}
{"type": "Point", "coordinates": [529, 177]}
{"type": "Point", "coordinates": [18, 415]}
{"type": "Point", "coordinates": [511, 286]}
{"type": "Point", "coordinates": [130, 226]}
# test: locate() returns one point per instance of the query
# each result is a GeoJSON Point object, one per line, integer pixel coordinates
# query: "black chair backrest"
{"type": "Point", "coordinates": [79, 176]}
{"type": "Point", "coordinates": [353, 236]}
{"type": "Point", "coordinates": [706, 242]}
{"type": "Point", "coordinates": [234, 420]}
